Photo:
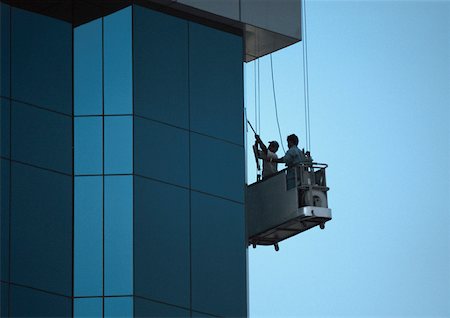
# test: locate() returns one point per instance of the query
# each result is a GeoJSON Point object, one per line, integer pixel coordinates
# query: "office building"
{"type": "Point", "coordinates": [122, 154]}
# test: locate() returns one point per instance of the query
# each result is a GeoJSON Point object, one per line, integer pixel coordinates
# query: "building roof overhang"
{"type": "Point", "coordinates": [265, 25]}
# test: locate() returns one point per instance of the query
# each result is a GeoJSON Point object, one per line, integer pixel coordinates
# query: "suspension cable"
{"type": "Point", "coordinates": [258, 129]}
{"type": "Point", "coordinates": [256, 96]}
{"type": "Point", "coordinates": [306, 81]}
{"type": "Point", "coordinates": [275, 102]}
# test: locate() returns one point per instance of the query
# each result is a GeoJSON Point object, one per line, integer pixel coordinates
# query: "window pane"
{"type": "Point", "coordinates": [162, 222]}
{"type": "Point", "coordinates": [163, 156]}
{"type": "Point", "coordinates": [88, 69]}
{"type": "Point", "coordinates": [4, 299]}
{"type": "Point", "coordinates": [5, 126]}
{"type": "Point", "coordinates": [118, 144]}
{"type": "Point", "coordinates": [161, 67]}
{"type": "Point", "coordinates": [27, 302]}
{"type": "Point", "coordinates": [216, 83]}
{"type": "Point", "coordinates": [218, 227]}
{"type": "Point", "coordinates": [118, 62]}
{"type": "Point", "coordinates": [87, 307]}
{"type": "Point", "coordinates": [118, 235]}
{"type": "Point", "coordinates": [88, 253]}
{"type": "Point", "coordinates": [119, 307]}
{"type": "Point", "coordinates": [4, 220]}
{"type": "Point", "coordinates": [42, 220]}
{"type": "Point", "coordinates": [88, 145]}
{"type": "Point", "coordinates": [42, 63]}
{"type": "Point", "coordinates": [147, 308]}
{"type": "Point", "coordinates": [5, 49]}
{"type": "Point", "coordinates": [217, 167]}
{"type": "Point", "coordinates": [41, 138]}
{"type": "Point", "coordinates": [201, 315]}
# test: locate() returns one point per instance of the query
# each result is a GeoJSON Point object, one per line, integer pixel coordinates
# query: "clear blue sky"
{"type": "Point", "coordinates": [379, 85]}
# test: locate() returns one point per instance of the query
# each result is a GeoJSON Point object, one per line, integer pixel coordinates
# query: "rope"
{"type": "Point", "coordinates": [256, 105]}
{"type": "Point", "coordinates": [306, 81]}
{"type": "Point", "coordinates": [275, 102]}
{"type": "Point", "coordinates": [258, 129]}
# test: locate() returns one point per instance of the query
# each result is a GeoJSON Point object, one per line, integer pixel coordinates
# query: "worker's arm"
{"type": "Point", "coordinates": [261, 144]}
{"type": "Point", "coordinates": [278, 160]}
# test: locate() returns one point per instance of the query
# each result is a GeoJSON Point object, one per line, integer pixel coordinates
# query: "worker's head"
{"type": "Point", "coordinates": [292, 140]}
{"type": "Point", "coordinates": [273, 146]}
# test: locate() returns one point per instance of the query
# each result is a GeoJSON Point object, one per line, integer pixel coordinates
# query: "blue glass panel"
{"type": "Point", "coordinates": [216, 83]}
{"type": "Point", "coordinates": [4, 220]}
{"type": "Point", "coordinates": [4, 299]}
{"type": "Point", "coordinates": [161, 249]}
{"type": "Point", "coordinates": [218, 227]}
{"type": "Point", "coordinates": [118, 235]}
{"type": "Point", "coordinates": [88, 98]}
{"type": "Point", "coordinates": [88, 247]}
{"type": "Point", "coordinates": [118, 63]}
{"type": "Point", "coordinates": [217, 167]}
{"type": "Point", "coordinates": [88, 307]}
{"type": "Point", "coordinates": [41, 229]}
{"type": "Point", "coordinates": [118, 144]}
{"type": "Point", "coordinates": [5, 126]}
{"type": "Point", "coordinates": [26, 302]}
{"type": "Point", "coordinates": [161, 152]}
{"type": "Point", "coordinates": [5, 48]}
{"type": "Point", "coordinates": [198, 315]}
{"type": "Point", "coordinates": [147, 308]}
{"type": "Point", "coordinates": [119, 307]}
{"type": "Point", "coordinates": [41, 138]}
{"type": "Point", "coordinates": [161, 67]}
{"type": "Point", "coordinates": [88, 145]}
{"type": "Point", "coordinates": [42, 63]}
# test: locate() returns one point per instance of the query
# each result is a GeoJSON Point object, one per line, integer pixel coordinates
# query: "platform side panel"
{"type": "Point", "coordinates": [269, 204]}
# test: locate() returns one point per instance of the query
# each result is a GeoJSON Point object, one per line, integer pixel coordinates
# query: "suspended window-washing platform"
{"type": "Point", "coordinates": [286, 204]}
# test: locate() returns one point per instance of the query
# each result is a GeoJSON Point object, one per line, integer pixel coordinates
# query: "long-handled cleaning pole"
{"type": "Point", "coordinates": [255, 152]}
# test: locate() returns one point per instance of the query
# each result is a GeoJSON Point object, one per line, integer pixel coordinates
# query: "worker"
{"type": "Point", "coordinates": [293, 157]}
{"type": "Point", "coordinates": [269, 156]}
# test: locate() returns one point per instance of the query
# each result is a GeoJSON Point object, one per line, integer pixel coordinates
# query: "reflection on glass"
{"type": "Point", "coordinates": [118, 62]}
{"type": "Point", "coordinates": [88, 145]}
{"type": "Point", "coordinates": [88, 68]}
{"type": "Point", "coordinates": [118, 235]}
{"type": "Point", "coordinates": [118, 145]}
{"type": "Point", "coordinates": [87, 307]}
{"type": "Point", "coordinates": [88, 227]}
{"type": "Point", "coordinates": [119, 307]}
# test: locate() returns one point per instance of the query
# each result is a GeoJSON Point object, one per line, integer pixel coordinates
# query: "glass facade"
{"type": "Point", "coordinates": [36, 164]}
{"type": "Point", "coordinates": [122, 189]}
{"type": "Point", "coordinates": [103, 167]}
{"type": "Point", "coordinates": [187, 197]}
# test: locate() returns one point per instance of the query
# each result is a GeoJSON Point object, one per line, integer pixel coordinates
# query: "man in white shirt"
{"type": "Point", "coordinates": [293, 157]}
{"type": "Point", "coordinates": [269, 156]}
